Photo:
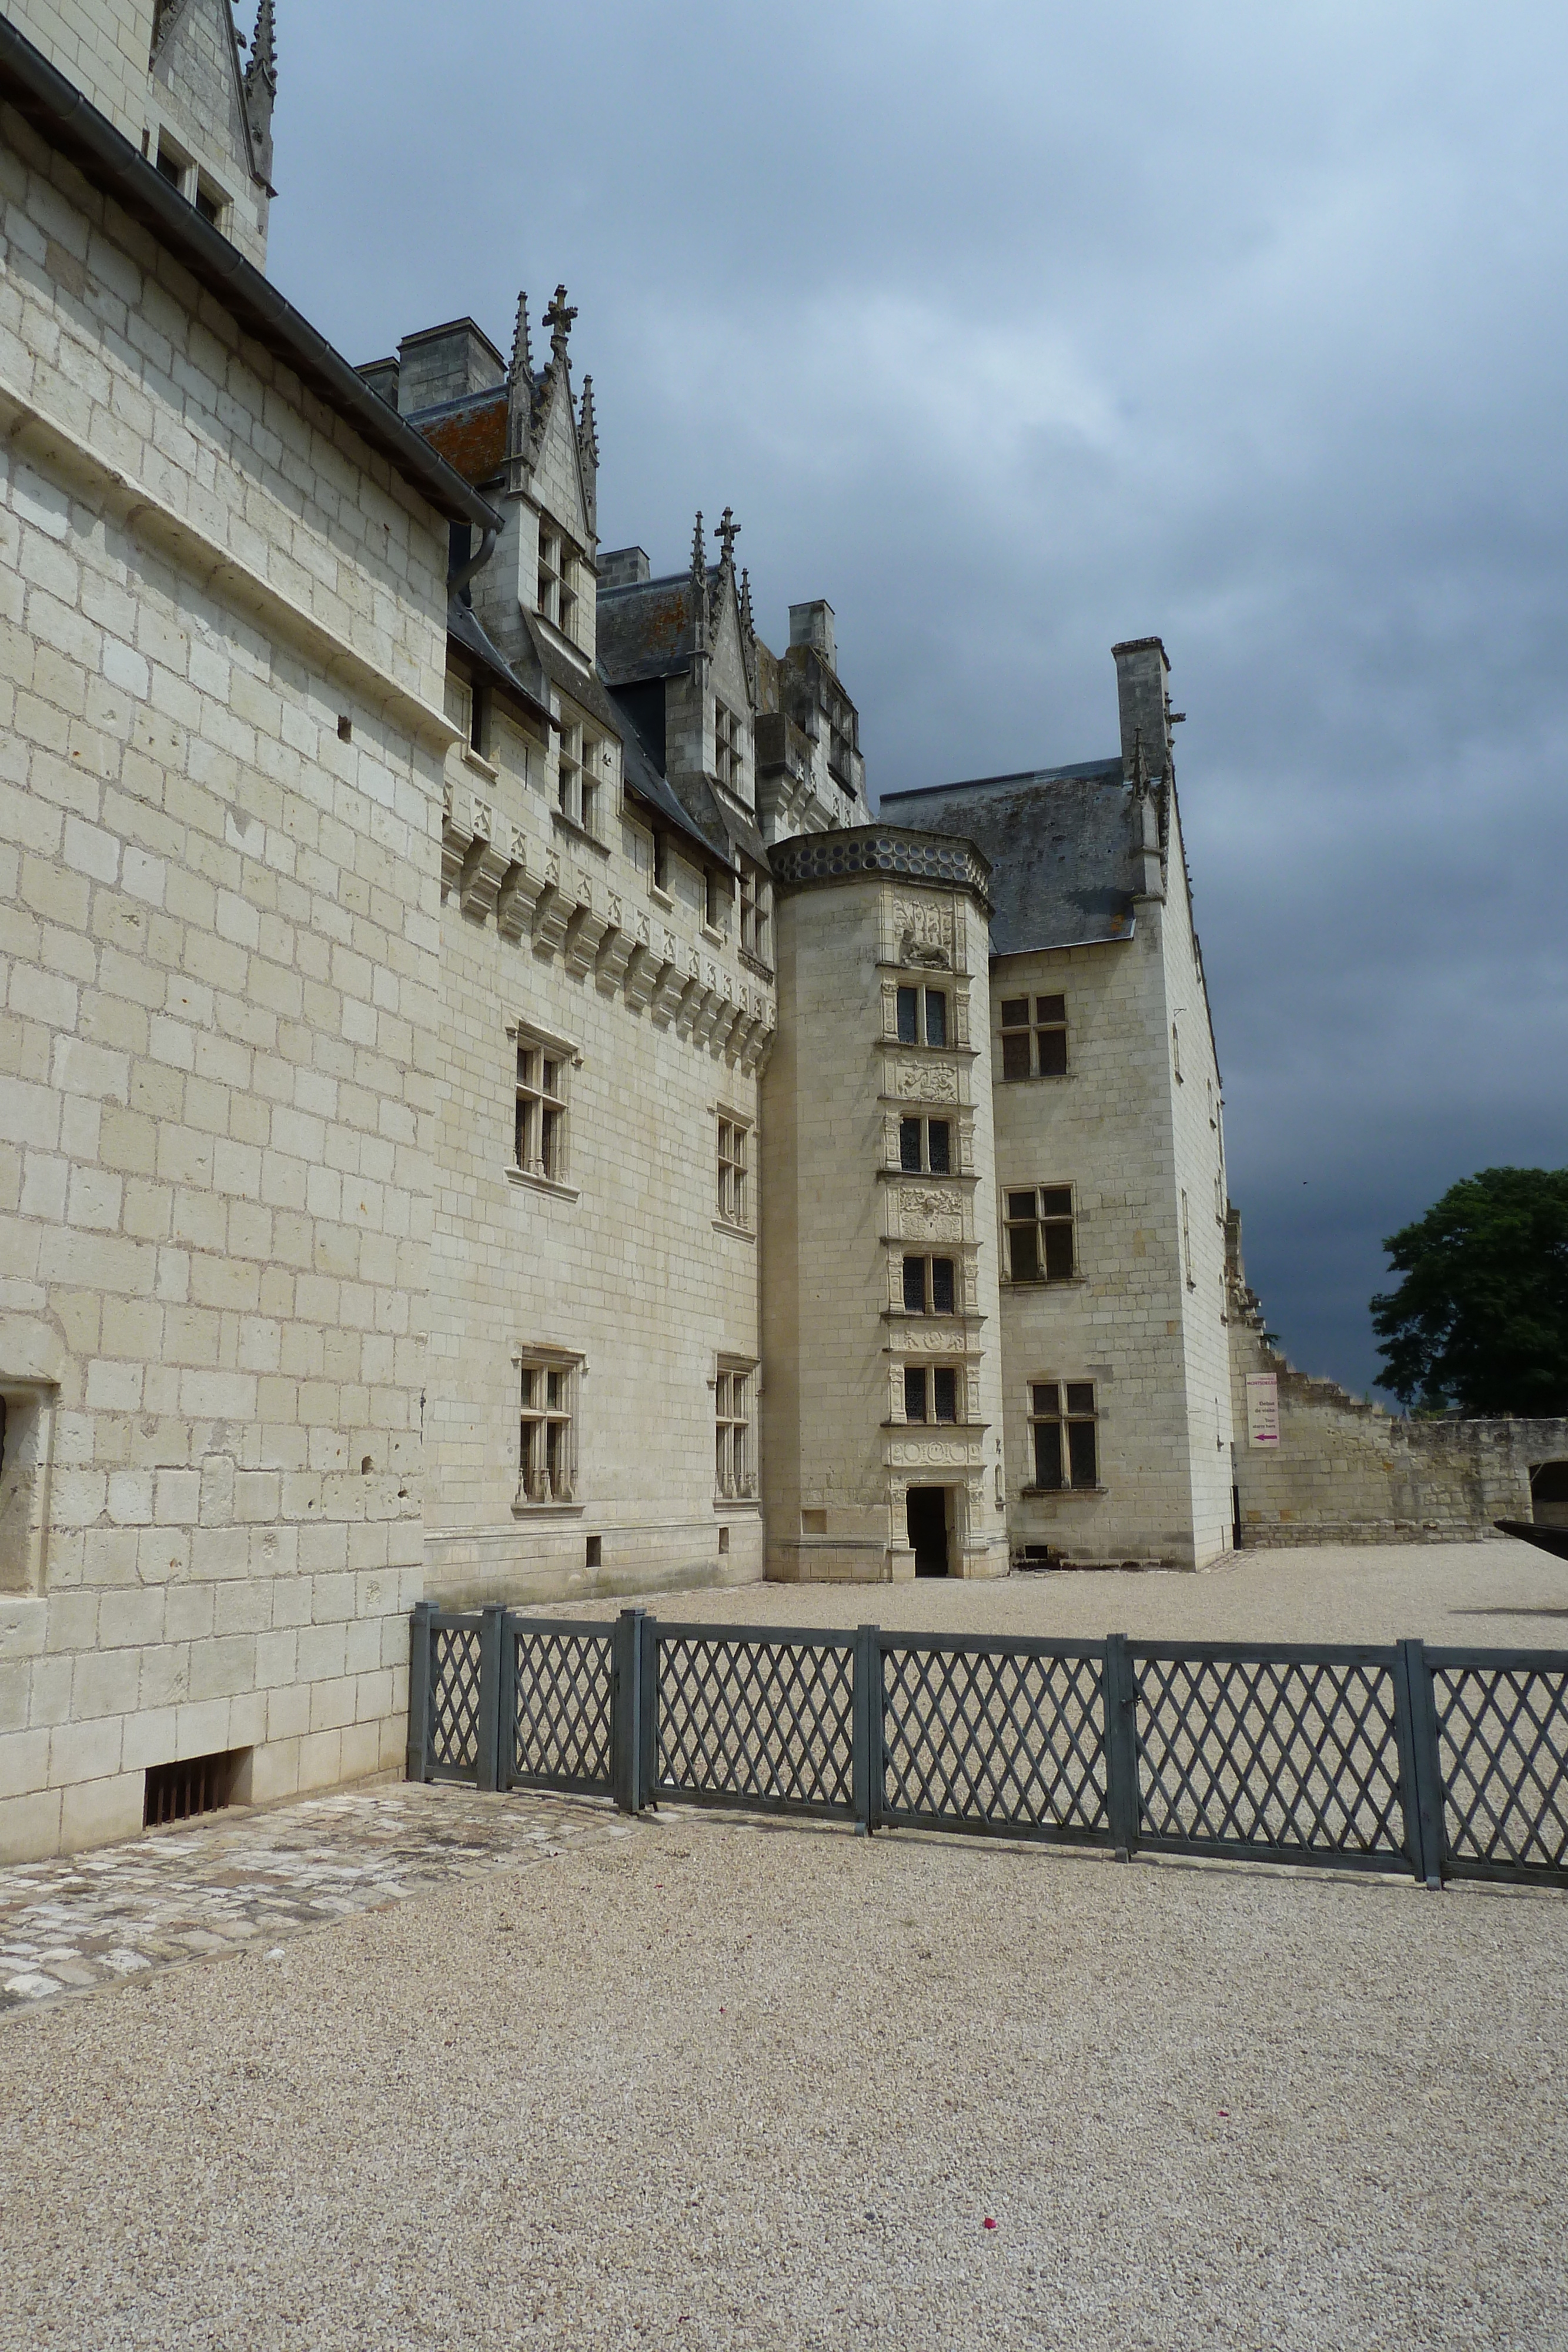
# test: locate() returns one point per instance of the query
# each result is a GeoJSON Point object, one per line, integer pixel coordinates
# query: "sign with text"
{"type": "Point", "coordinates": [1262, 1409]}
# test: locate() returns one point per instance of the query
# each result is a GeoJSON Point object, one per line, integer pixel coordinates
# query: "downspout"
{"type": "Point", "coordinates": [459, 574]}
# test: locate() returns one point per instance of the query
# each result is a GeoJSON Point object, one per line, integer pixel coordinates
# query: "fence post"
{"type": "Point", "coordinates": [648, 1716]}
{"type": "Point", "coordinates": [865, 1764]}
{"type": "Point", "coordinates": [1120, 1696]}
{"type": "Point", "coordinates": [420, 1641]}
{"type": "Point", "coordinates": [487, 1730]}
{"type": "Point", "coordinates": [1421, 1766]}
{"type": "Point", "coordinates": [626, 1711]}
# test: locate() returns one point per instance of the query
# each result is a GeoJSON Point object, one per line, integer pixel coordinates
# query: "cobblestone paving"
{"type": "Point", "coordinates": [242, 1878]}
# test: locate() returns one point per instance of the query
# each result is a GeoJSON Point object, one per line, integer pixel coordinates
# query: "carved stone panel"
{"type": "Point", "coordinates": [929, 1214]}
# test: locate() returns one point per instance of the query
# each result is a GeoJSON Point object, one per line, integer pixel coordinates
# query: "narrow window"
{"type": "Point", "coordinates": [662, 863]}
{"type": "Point", "coordinates": [935, 1017]}
{"type": "Point", "coordinates": [754, 923]}
{"type": "Point", "coordinates": [914, 1393]}
{"type": "Point", "coordinates": [1082, 1451]}
{"type": "Point", "coordinates": [728, 748]}
{"type": "Point", "coordinates": [908, 1015]}
{"type": "Point", "coordinates": [1045, 1429]}
{"type": "Point", "coordinates": [479, 719]}
{"type": "Point", "coordinates": [1056, 1232]}
{"type": "Point", "coordinates": [713, 898]}
{"type": "Point", "coordinates": [939, 1138]}
{"type": "Point", "coordinates": [1175, 1054]}
{"type": "Point", "coordinates": [1186, 1243]}
{"type": "Point", "coordinates": [732, 1199]}
{"type": "Point", "coordinates": [1023, 1238]}
{"type": "Point", "coordinates": [909, 1138]}
{"type": "Point", "coordinates": [545, 1442]}
{"type": "Point", "coordinates": [589, 785]}
{"type": "Point", "coordinates": [941, 1286]}
{"type": "Point", "coordinates": [550, 575]}
{"type": "Point", "coordinates": [1015, 1037]}
{"type": "Point", "coordinates": [565, 593]}
{"type": "Point", "coordinates": [568, 779]}
{"type": "Point", "coordinates": [733, 1475]}
{"type": "Point", "coordinates": [1050, 1032]}
{"type": "Point", "coordinates": [539, 1137]}
{"type": "Point", "coordinates": [914, 1285]}
{"type": "Point", "coordinates": [944, 1392]}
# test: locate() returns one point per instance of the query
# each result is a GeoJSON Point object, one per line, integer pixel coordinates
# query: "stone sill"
{"type": "Point", "coordinates": [1036, 1078]}
{"type": "Point", "coordinates": [730, 1507]}
{"type": "Point", "coordinates": [580, 832]}
{"type": "Point", "coordinates": [1043, 1494]}
{"type": "Point", "coordinates": [737, 1233]}
{"type": "Point", "coordinates": [522, 1508]}
{"type": "Point", "coordinates": [755, 963]}
{"type": "Point", "coordinates": [714, 939]}
{"type": "Point", "coordinates": [931, 1176]}
{"type": "Point", "coordinates": [939, 1428]}
{"type": "Point", "coordinates": [937, 1053]}
{"type": "Point", "coordinates": [543, 1184]}
{"type": "Point", "coordinates": [476, 760]}
{"type": "Point", "coordinates": [1045, 1282]}
{"type": "Point", "coordinates": [660, 897]}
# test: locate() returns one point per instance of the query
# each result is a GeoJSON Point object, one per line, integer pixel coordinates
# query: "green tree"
{"type": "Point", "coordinates": [1481, 1319]}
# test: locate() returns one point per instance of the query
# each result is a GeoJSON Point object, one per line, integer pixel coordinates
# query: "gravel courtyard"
{"type": "Point", "coordinates": [712, 2083]}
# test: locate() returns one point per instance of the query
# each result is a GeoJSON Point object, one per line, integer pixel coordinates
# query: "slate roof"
{"type": "Point", "coordinates": [644, 780]}
{"type": "Point", "coordinates": [645, 629]}
{"type": "Point", "coordinates": [1059, 841]}
{"type": "Point", "coordinates": [462, 627]}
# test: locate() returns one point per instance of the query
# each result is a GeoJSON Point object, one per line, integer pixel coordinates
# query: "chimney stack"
{"type": "Point", "coordinates": [812, 624]}
{"type": "Point", "coordinates": [1142, 670]}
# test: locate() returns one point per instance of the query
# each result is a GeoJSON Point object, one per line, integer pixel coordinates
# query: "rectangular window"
{"type": "Point", "coordinates": [1039, 1235]}
{"type": "Point", "coordinates": [588, 784]}
{"type": "Point", "coordinates": [569, 775]}
{"type": "Point", "coordinates": [931, 1396]}
{"type": "Point", "coordinates": [546, 1454]}
{"type": "Point", "coordinates": [540, 1133]}
{"type": "Point", "coordinates": [713, 898]}
{"type": "Point", "coordinates": [944, 1392]}
{"type": "Point", "coordinates": [928, 1286]}
{"type": "Point", "coordinates": [1066, 1448]}
{"type": "Point", "coordinates": [925, 1146]}
{"type": "Point", "coordinates": [921, 1017]}
{"type": "Point", "coordinates": [732, 1197]}
{"type": "Point", "coordinates": [728, 748]}
{"type": "Point", "coordinates": [1186, 1244]}
{"type": "Point", "coordinates": [1034, 1037]}
{"type": "Point", "coordinates": [914, 1393]}
{"type": "Point", "coordinates": [662, 863]}
{"type": "Point", "coordinates": [756, 926]}
{"type": "Point", "coordinates": [733, 1472]}
{"type": "Point", "coordinates": [557, 579]}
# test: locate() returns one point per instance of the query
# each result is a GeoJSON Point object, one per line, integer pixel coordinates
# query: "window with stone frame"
{"type": "Point", "coordinates": [1034, 1037]}
{"type": "Point", "coordinates": [1039, 1235]}
{"type": "Point", "coordinates": [1064, 1433]}
{"type": "Point", "coordinates": [931, 1392]}
{"type": "Point", "coordinates": [756, 914]}
{"type": "Point", "coordinates": [925, 1146]}
{"type": "Point", "coordinates": [713, 900]}
{"type": "Point", "coordinates": [735, 1470]}
{"type": "Point", "coordinates": [547, 1446]}
{"type": "Point", "coordinates": [578, 791]}
{"type": "Point", "coordinates": [556, 578]}
{"type": "Point", "coordinates": [928, 1286]}
{"type": "Point", "coordinates": [540, 1132]}
{"type": "Point", "coordinates": [922, 1016]}
{"type": "Point", "coordinates": [728, 748]}
{"type": "Point", "coordinates": [734, 1147]}
{"type": "Point", "coordinates": [660, 876]}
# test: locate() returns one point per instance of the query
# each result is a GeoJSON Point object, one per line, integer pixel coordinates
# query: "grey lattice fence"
{"type": "Point", "coordinates": [1450, 1763]}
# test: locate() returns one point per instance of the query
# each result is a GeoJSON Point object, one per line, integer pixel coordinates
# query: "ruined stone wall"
{"type": "Point", "coordinates": [1345, 1471]}
{"type": "Point", "coordinates": [619, 1266]}
{"type": "Point", "coordinates": [221, 647]}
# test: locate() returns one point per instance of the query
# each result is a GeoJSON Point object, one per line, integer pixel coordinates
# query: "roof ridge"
{"type": "Point", "coordinates": [1072, 768]}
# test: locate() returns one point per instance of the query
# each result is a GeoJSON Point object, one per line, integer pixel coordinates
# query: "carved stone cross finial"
{"type": "Point", "coordinates": [559, 319]}
{"type": "Point", "coordinates": [729, 532]}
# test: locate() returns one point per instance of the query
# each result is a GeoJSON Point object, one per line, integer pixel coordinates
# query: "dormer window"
{"type": "Point", "coordinates": [558, 579]}
{"type": "Point", "coordinates": [756, 926]}
{"type": "Point", "coordinates": [729, 747]}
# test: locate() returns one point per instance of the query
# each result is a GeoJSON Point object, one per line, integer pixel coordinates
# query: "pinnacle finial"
{"type": "Point", "coordinates": [264, 47]}
{"type": "Point", "coordinates": [587, 423]}
{"type": "Point", "coordinates": [699, 551]}
{"type": "Point", "coordinates": [261, 88]}
{"type": "Point", "coordinates": [559, 319]}
{"type": "Point", "coordinates": [522, 349]}
{"type": "Point", "coordinates": [729, 532]}
{"type": "Point", "coordinates": [747, 622]}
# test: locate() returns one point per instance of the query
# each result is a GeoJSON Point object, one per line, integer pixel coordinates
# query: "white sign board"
{"type": "Point", "coordinates": [1262, 1409]}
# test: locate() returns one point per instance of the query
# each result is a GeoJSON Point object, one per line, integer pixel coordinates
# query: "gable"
{"type": "Point", "coordinates": [728, 672]}
{"type": "Point", "coordinates": [196, 74]}
{"type": "Point", "coordinates": [558, 465]}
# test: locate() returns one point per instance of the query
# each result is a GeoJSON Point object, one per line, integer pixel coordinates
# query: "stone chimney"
{"type": "Point", "coordinates": [444, 362]}
{"type": "Point", "coordinates": [1142, 670]}
{"type": "Point", "coordinates": [625, 567]}
{"type": "Point", "coordinates": [812, 624]}
{"type": "Point", "coordinates": [382, 376]}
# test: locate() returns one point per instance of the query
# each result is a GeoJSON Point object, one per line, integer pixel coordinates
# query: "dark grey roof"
{"type": "Point", "coordinates": [585, 686]}
{"type": "Point", "coordinates": [73, 125]}
{"type": "Point", "coordinates": [644, 780]}
{"type": "Point", "coordinates": [1059, 841]}
{"type": "Point", "coordinates": [463, 629]}
{"type": "Point", "coordinates": [644, 628]}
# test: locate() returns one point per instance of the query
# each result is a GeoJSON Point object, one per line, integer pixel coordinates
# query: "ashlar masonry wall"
{"type": "Point", "coordinates": [221, 661]}
{"type": "Point", "coordinates": [617, 1270]}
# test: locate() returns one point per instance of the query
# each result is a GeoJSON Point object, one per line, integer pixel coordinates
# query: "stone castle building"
{"type": "Point", "coordinates": [487, 1108]}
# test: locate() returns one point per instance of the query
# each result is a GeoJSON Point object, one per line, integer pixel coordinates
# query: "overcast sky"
{"type": "Point", "coordinates": [1016, 330]}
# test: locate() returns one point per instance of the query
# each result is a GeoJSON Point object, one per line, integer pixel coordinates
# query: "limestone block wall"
{"type": "Point", "coordinates": [1197, 1150]}
{"type": "Point", "coordinates": [221, 655]}
{"type": "Point", "coordinates": [841, 1215]}
{"type": "Point", "coordinates": [1345, 1470]}
{"type": "Point", "coordinates": [619, 1267]}
{"type": "Point", "coordinates": [102, 48]}
{"type": "Point", "coordinates": [1105, 1129]}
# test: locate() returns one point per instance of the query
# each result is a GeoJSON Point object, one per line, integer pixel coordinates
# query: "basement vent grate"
{"type": "Point", "coordinates": [197, 1784]}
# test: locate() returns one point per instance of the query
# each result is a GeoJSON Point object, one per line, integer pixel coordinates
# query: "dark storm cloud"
{"type": "Point", "coordinates": [1018, 330]}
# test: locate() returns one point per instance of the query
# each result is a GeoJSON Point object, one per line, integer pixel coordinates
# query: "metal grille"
{"type": "Point", "coordinates": [1502, 1739]}
{"type": "Point", "coordinates": [562, 1716]}
{"type": "Point", "coordinates": [767, 1719]}
{"type": "Point", "coordinates": [1282, 1749]}
{"type": "Point", "coordinates": [1006, 1737]}
{"type": "Point", "coordinates": [453, 1737]}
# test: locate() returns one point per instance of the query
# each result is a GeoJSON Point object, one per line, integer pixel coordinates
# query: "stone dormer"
{"type": "Point", "coordinates": [209, 114]}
